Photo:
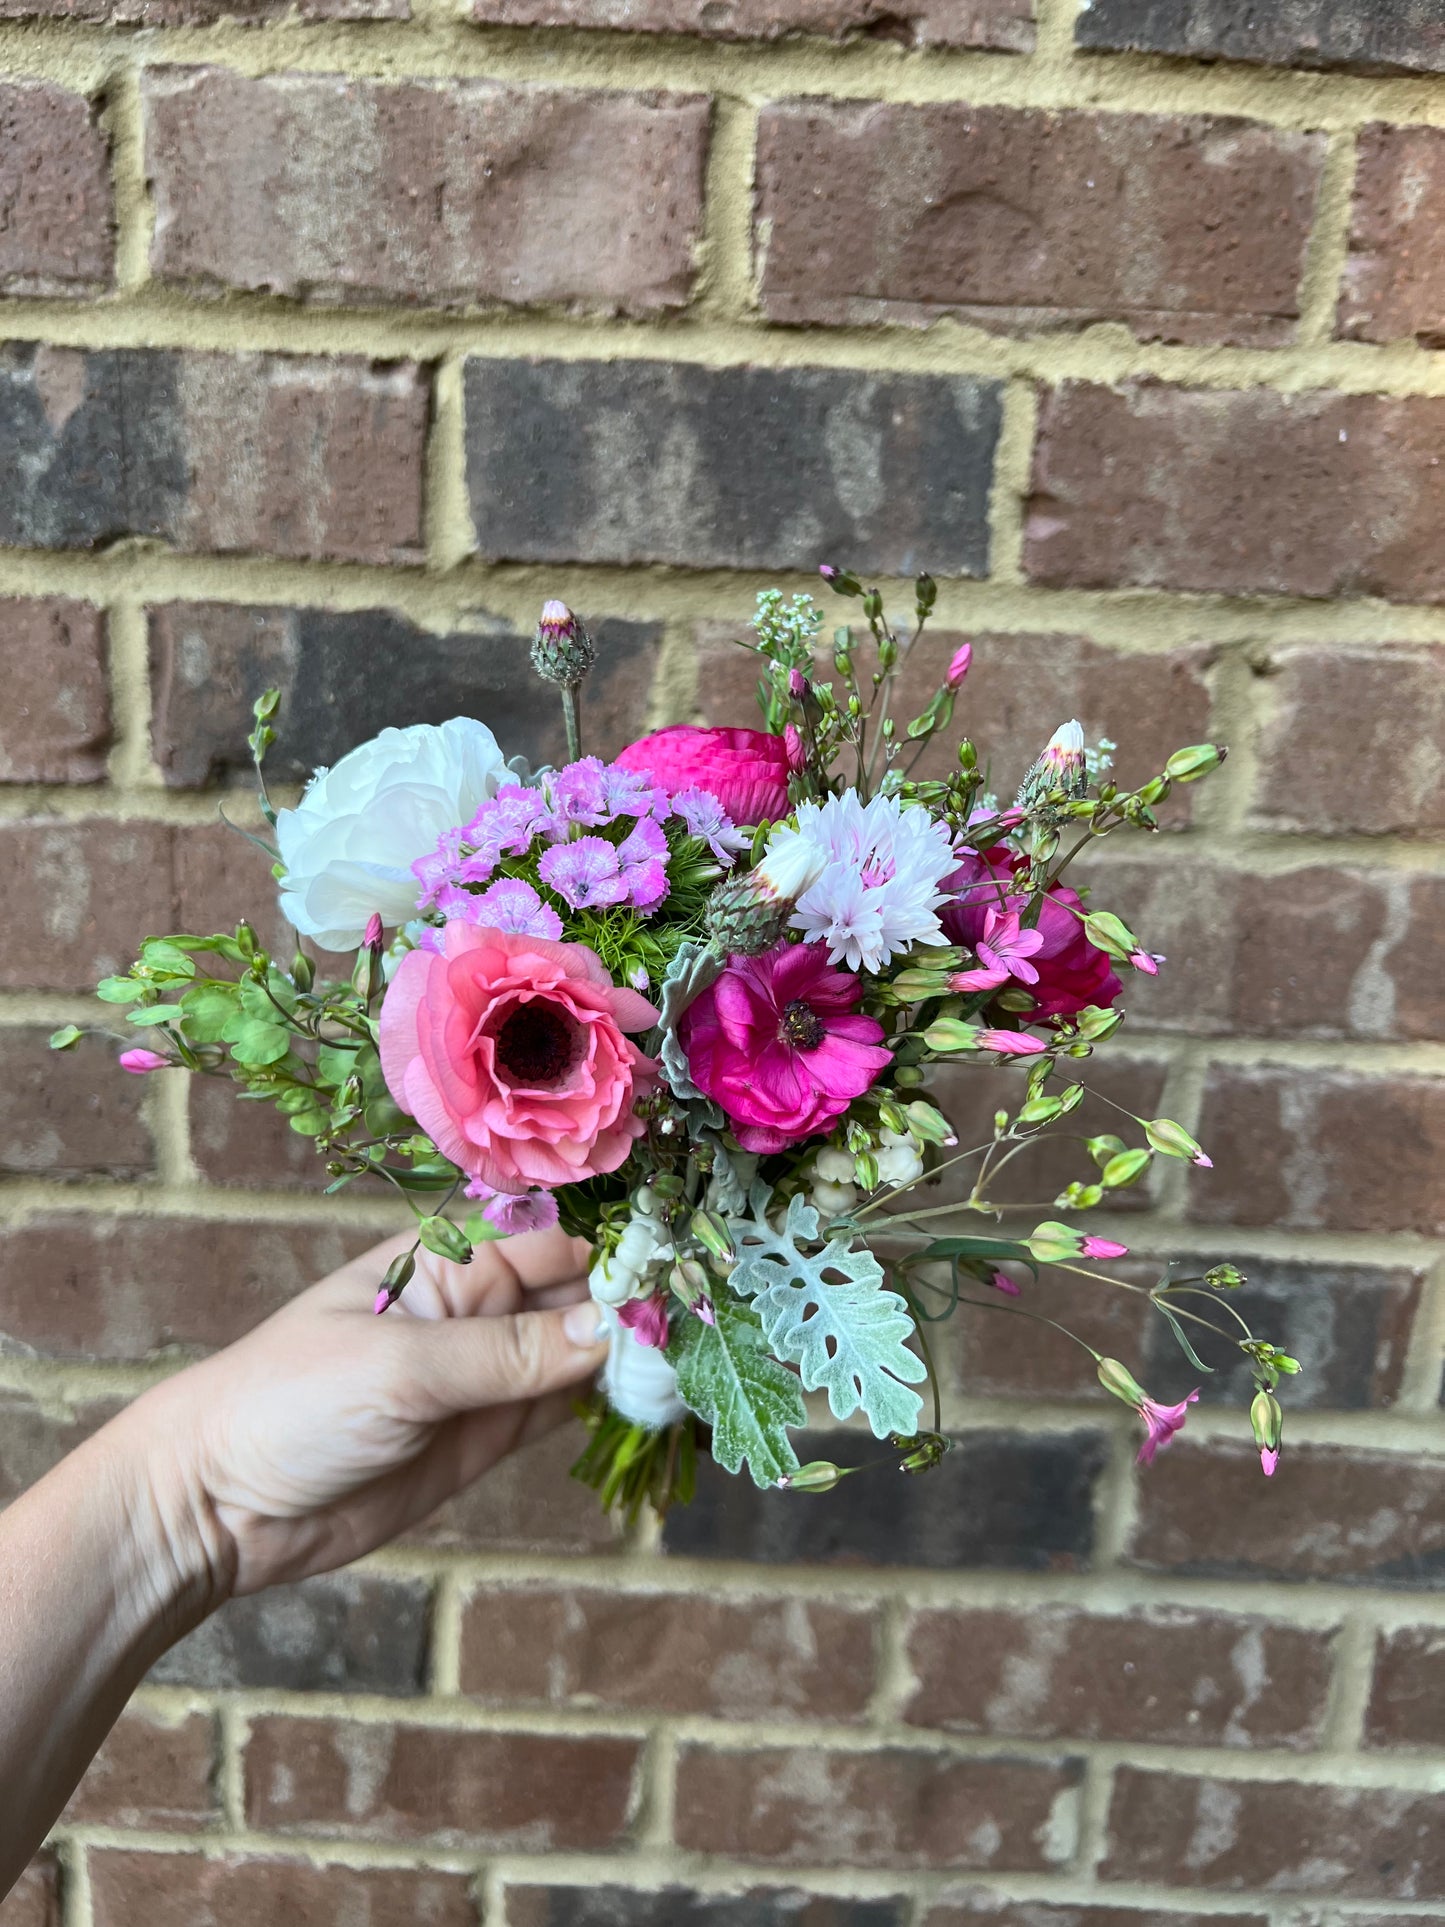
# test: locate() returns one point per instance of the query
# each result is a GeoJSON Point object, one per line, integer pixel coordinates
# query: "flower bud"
{"type": "Point", "coordinates": [1110, 934]}
{"type": "Point", "coordinates": [712, 1234]}
{"type": "Point", "coordinates": [1119, 1380]}
{"type": "Point", "coordinates": [947, 1034]}
{"type": "Point", "coordinates": [303, 971]}
{"type": "Point", "coordinates": [399, 1274]}
{"type": "Point", "coordinates": [840, 581]}
{"type": "Point", "coordinates": [562, 651]}
{"type": "Point", "coordinates": [817, 1476]}
{"type": "Point", "coordinates": [1104, 1147]}
{"type": "Point", "coordinates": [138, 1062]}
{"type": "Point", "coordinates": [1267, 1423]}
{"type": "Point", "coordinates": [1051, 1242]}
{"type": "Point", "coordinates": [928, 1125]}
{"type": "Point", "coordinates": [865, 1171]}
{"type": "Point", "coordinates": [1127, 1167]}
{"type": "Point", "coordinates": [1061, 767]}
{"type": "Point", "coordinates": [959, 664]}
{"type": "Point", "coordinates": [834, 1165]}
{"type": "Point", "coordinates": [1094, 1024]}
{"type": "Point", "coordinates": [925, 594]}
{"type": "Point", "coordinates": [1225, 1277]}
{"type": "Point", "coordinates": [446, 1239]}
{"type": "Point", "coordinates": [1174, 1141]}
{"type": "Point", "coordinates": [1187, 765]}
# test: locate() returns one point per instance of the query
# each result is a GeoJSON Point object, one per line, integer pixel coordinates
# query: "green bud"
{"type": "Point", "coordinates": [841, 581]}
{"type": "Point", "coordinates": [1094, 1024]}
{"type": "Point", "coordinates": [865, 1169]}
{"type": "Point", "coordinates": [967, 757]}
{"type": "Point", "coordinates": [1016, 1000]}
{"type": "Point", "coordinates": [1070, 1098]}
{"type": "Point", "coordinates": [667, 1184]}
{"type": "Point", "coordinates": [1173, 1140]}
{"type": "Point", "coordinates": [1155, 790]}
{"type": "Point", "coordinates": [1080, 1197]}
{"type": "Point", "coordinates": [1119, 1380]}
{"type": "Point", "coordinates": [1125, 1168]}
{"type": "Point", "coordinates": [246, 938]}
{"type": "Point", "coordinates": [908, 1076]}
{"type": "Point", "coordinates": [873, 605]}
{"type": "Point", "coordinates": [712, 1234]}
{"type": "Point", "coordinates": [399, 1274]}
{"type": "Point", "coordinates": [925, 594]}
{"type": "Point", "coordinates": [948, 1034]}
{"type": "Point", "coordinates": [1000, 1123]}
{"type": "Point", "coordinates": [446, 1239]}
{"type": "Point", "coordinates": [1051, 1243]}
{"type": "Point", "coordinates": [303, 971]}
{"type": "Point", "coordinates": [1110, 934]}
{"type": "Point", "coordinates": [1225, 1277]}
{"type": "Point", "coordinates": [817, 1476]}
{"type": "Point", "coordinates": [66, 1038]}
{"type": "Point", "coordinates": [928, 1125]}
{"type": "Point", "coordinates": [1266, 1421]}
{"type": "Point", "coordinates": [1187, 765]}
{"type": "Point", "coordinates": [890, 1116]}
{"type": "Point", "coordinates": [1040, 1110]}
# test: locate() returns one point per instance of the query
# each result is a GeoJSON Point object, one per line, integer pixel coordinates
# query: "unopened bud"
{"type": "Point", "coordinates": [1120, 1381]}
{"type": "Point", "coordinates": [865, 1169]}
{"type": "Point", "coordinates": [1267, 1423]}
{"type": "Point", "coordinates": [1062, 767]}
{"type": "Point", "coordinates": [1104, 1147]}
{"type": "Point", "coordinates": [890, 1116]}
{"type": "Point", "coordinates": [1174, 1141]}
{"type": "Point", "coordinates": [1051, 1243]}
{"type": "Point", "coordinates": [399, 1274]}
{"type": "Point", "coordinates": [928, 1125]}
{"type": "Point", "coordinates": [1094, 1024]}
{"type": "Point", "coordinates": [840, 581]}
{"type": "Point", "coordinates": [1125, 1168]}
{"type": "Point", "coordinates": [303, 971]}
{"type": "Point", "coordinates": [712, 1234]}
{"type": "Point", "coordinates": [1186, 765]}
{"type": "Point", "coordinates": [947, 1034]}
{"type": "Point", "coordinates": [959, 664]}
{"type": "Point", "coordinates": [925, 594]}
{"type": "Point", "coordinates": [817, 1476]}
{"type": "Point", "coordinates": [1225, 1277]}
{"type": "Point", "coordinates": [446, 1239]}
{"type": "Point", "coordinates": [246, 938]}
{"type": "Point", "coordinates": [562, 650]}
{"type": "Point", "coordinates": [1110, 934]}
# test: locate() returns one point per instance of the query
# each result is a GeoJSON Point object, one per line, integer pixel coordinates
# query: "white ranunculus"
{"type": "Point", "coordinates": [349, 845]}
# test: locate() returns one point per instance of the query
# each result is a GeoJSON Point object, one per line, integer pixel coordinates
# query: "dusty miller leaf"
{"type": "Point", "coordinates": [830, 1314]}
{"type": "Point", "coordinates": [725, 1375]}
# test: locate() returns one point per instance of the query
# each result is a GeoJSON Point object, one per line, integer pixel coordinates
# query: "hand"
{"type": "Point", "coordinates": [328, 1430]}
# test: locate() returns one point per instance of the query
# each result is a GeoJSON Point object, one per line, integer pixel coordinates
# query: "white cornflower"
{"type": "Point", "coordinates": [877, 893]}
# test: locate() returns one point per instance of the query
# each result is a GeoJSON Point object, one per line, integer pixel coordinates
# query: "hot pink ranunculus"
{"type": "Point", "coordinates": [779, 1042]}
{"type": "Point", "coordinates": [745, 769]}
{"type": "Point", "coordinates": [509, 1052]}
{"type": "Point", "coordinates": [1072, 972]}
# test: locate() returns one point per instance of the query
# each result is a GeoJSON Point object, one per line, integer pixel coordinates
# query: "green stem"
{"type": "Point", "coordinates": [572, 719]}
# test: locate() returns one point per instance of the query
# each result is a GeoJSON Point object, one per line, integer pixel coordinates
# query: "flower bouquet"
{"type": "Point", "coordinates": [686, 1004]}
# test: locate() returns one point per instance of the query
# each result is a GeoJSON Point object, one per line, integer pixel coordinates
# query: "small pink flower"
{"type": "Point", "coordinates": [703, 1309]}
{"type": "Point", "coordinates": [1102, 1248]}
{"type": "Point", "coordinates": [372, 938]}
{"type": "Point", "coordinates": [1003, 952]}
{"type": "Point", "coordinates": [138, 1062]}
{"type": "Point", "coordinates": [1002, 1282]}
{"type": "Point", "coordinates": [646, 1319]}
{"type": "Point", "coordinates": [1269, 1459]}
{"type": "Point", "coordinates": [1146, 961]}
{"type": "Point", "coordinates": [797, 684]}
{"type": "Point", "coordinates": [512, 1212]}
{"type": "Point", "coordinates": [1162, 1422]}
{"type": "Point", "coordinates": [958, 665]}
{"type": "Point", "coordinates": [1011, 1043]}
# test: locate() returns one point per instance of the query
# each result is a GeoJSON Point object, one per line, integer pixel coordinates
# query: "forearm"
{"type": "Point", "coordinates": [103, 1565]}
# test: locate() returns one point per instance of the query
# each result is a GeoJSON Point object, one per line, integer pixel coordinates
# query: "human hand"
{"type": "Point", "coordinates": [328, 1430]}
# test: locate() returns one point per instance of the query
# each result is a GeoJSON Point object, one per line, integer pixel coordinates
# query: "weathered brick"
{"type": "Point", "coordinates": [527, 1503]}
{"type": "Point", "coordinates": [1357, 1517]}
{"type": "Point", "coordinates": [198, 13]}
{"type": "Point", "coordinates": [1245, 492]}
{"type": "Point", "coordinates": [1378, 712]}
{"type": "Point", "coordinates": [779, 468]}
{"type": "Point", "coordinates": [71, 1113]}
{"type": "Point", "coordinates": [345, 1632]}
{"type": "Point", "coordinates": [287, 456]}
{"type": "Point", "coordinates": [891, 1807]}
{"type": "Point", "coordinates": [1186, 228]}
{"type": "Point", "coordinates": [57, 237]}
{"type": "Point", "coordinates": [344, 675]}
{"type": "Point", "coordinates": [979, 1909]}
{"type": "Point", "coordinates": [1321, 1150]}
{"type": "Point", "coordinates": [1394, 279]}
{"type": "Point", "coordinates": [539, 1791]}
{"type": "Point", "coordinates": [55, 726]}
{"type": "Point", "coordinates": [682, 1907]}
{"type": "Point", "coordinates": [1364, 36]}
{"type": "Point", "coordinates": [1283, 1836]}
{"type": "Point", "coordinates": [975, 1358]}
{"type": "Point", "coordinates": [35, 1900]}
{"type": "Point", "coordinates": [36, 1436]}
{"type": "Point", "coordinates": [89, 1287]}
{"type": "Point", "coordinates": [153, 1773]}
{"type": "Point", "coordinates": [1312, 952]}
{"type": "Point", "coordinates": [247, 1144]}
{"type": "Point", "coordinates": [451, 194]}
{"type": "Point", "coordinates": [191, 1890]}
{"type": "Point", "coordinates": [997, 1499]}
{"type": "Point", "coordinates": [672, 1652]}
{"type": "Point", "coordinates": [1003, 24]}
{"type": "Point", "coordinates": [1408, 1688]}
{"type": "Point", "coordinates": [79, 897]}
{"type": "Point", "coordinates": [220, 877]}
{"type": "Point", "coordinates": [1162, 1675]}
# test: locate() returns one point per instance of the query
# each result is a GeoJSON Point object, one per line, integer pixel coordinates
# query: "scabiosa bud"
{"type": "Point", "coordinates": [958, 665]}
{"type": "Point", "coordinates": [562, 651]}
{"type": "Point", "coordinates": [1062, 766]}
{"type": "Point", "coordinates": [749, 911]}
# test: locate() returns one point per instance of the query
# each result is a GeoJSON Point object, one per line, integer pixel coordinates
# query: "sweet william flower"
{"type": "Point", "coordinates": [747, 770]}
{"type": "Point", "coordinates": [349, 845]}
{"type": "Point", "coordinates": [512, 1212]}
{"type": "Point", "coordinates": [1072, 973]}
{"type": "Point", "coordinates": [646, 1319]}
{"type": "Point", "coordinates": [510, 1053]}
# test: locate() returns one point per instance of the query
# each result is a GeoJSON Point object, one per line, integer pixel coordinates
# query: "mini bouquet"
{"type": "Point", "coordinates": [686, 1005]}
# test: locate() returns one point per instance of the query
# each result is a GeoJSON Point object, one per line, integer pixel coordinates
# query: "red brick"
{"type": "Point", "coordinates": [1312, 952]}
{"type": "Point", "coordinates": [991, 1910]}
{"type": "Point", "coordinates": [151, 1773]}
{"type": "Point", "coordinates": [79, 899]}
{"type": "Point", "coordinates": [1184, 228]}
{"type": "Point", "coordinates": [35, 1436]}
{"type": "Point", "coordinates": [71, 1113]}
{"type": "Point", "coordinates": [1321, 1150]}
{"type": "Point", "coordinates": [306, 458]}
{"type": "Point", "coordinates": [35, 1900]}
{"type": "Point", "coordinates": [526, 1504]}
{"type": "Point", "coordinates": [188, 1890]}
{"type": "Point", "coordinates": [1366, 1518]}
{"type": "Point", "coordinates": [1308, 494]}
{"type": "Point", "coordinates": [669, 1652]}
{"type": "Point", "coordinates": [55, 726]}
{"type": "Point", "coordinates": [197, 13]}
{"type": "Point", "coordinates": [891, 1807]}
{"type": "Point", "coordinates": [77, 1286]}
{"type": "Point", "coordinates": [1004, 24]}
{"type": "Point", "coordinates": [1163, 1675]}
{"type": "Point", "coordinates": [251, 1144]}
{"type": "Point", "coordinates": [452, 193]}
{"type": "Point", "coordinates": [677, 1906]}
{"type": "Point", "coordinates": [542, 1792]}
{"type": "Point", "coordinates": [57, 237]}
{"type": "Point", "coordinates": [1376, 711]}
{"type": "Point", "coordinates": [1276, 1836]}
{"type": "Point", "coordinates": [1408, 1689]}
{"type": "Point", "coordinates": [1394, 279]}
{"type": "Point", "coordinates": [1362, 36]}
{"type": "Point", "coordinates": [982, 1356]}
{"type": "Point", "coordinates": [220, 877]}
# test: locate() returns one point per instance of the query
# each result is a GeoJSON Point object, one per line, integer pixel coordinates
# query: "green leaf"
{"type": "Point", "coordinates": [156, 1014]}
{"type": "Point", "coordinates": [66, 1038]}
{"type": "Point", "coordinates": [998, 1250]}
{"type": "Point", "coordinates": [725, 1375]}
{"type": "Point", "coordinates": [830, 1314]}
{"type": "Point", "coordinates": [208, 1008]}
{"type": "Point", "coordinates": [118, 990]}
{"type": "Point", "coordinates": [255, 1042]}
{"type": "Point", "coordinates": [335, 1063]}
{"type": "Point", "coordinates": [160, 953]}
{"type": "Point", "coordinates": [1179, 1332]}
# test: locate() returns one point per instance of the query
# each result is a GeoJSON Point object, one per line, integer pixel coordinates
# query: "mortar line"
{"type": "Point", "coordinates": [725, 288]}
{"type": "Point", "coordinates": [130, 191]}
{"type": "Point", "coordinates": [1095, 1799]}
{"type": "Point", "coordinates": [1421, 1380]}
{"type": "Point", "coordinates": [128, 648]}
{"type": "Point", "coordinates": [233, 1728]}
{"type": "Point", "coordinates": [656, 1790]}
{"type": "Point", "coordinates": [445, 1680]}
{"type": "Point", "coordinates": [1342, 1730]}
{"type": "Point", "coordinates": [1012, 483]}
{"type": "Point", "coordinates": [1323, 278]}
{"type": "Point", "coordinates": [76, 1909]}
{"type": "Point", "coordinates": [450, 537]}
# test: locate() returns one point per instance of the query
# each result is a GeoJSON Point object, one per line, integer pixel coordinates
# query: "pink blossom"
{"type": "Point", "coordinates": [509, 1052]}
{"type": "Point", "coordinates": [745, 769]}
{"type": "Point", "coordinates": [138, 1061]}
{"type": "Point", "coordinates": [1102, 1248]}
{"type": "Point", "coordinates": [958, 665]}
{"type": "Point", "coordinates": [1072, 973]}
{"type": "Point", "coordinates": [372, 939]}
{"type": "Point", "coordinates": [646, 1319]}
{"type": "Point", "coordinates": [1003, 952]}
{"type": "Point", "coordinates": [1269, 1459]}
{"type": "Point", "coordinates": [1011, 1043]}
{"type": "Point", "coordinates": [1002, 1282]}
{"type": "Point", "coordinates": [1146, 961]}
{"type": "Point", "coordinates": [1162, 1421]}
{"type": "Point", "coordinates": [512, 1212]}
{"type": "Point", "coordinates": [779, 1042]}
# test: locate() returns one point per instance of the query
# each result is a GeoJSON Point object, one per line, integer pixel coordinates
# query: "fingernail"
{"type": "Point", "coordinates": [582, 1325]}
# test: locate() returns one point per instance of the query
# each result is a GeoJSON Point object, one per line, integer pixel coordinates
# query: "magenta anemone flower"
{"type": "Point", "coordinates": [780, 1043]}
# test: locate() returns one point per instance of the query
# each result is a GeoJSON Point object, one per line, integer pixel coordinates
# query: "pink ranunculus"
{"type": "Point", "coordinates": [745, 769]}
{"type": "Point", "coordinates": [779, 1042]}
{"type": "Point", "coordinates": [1072, 972]}
{"type": "Point", "coordinates": [509, 1052]}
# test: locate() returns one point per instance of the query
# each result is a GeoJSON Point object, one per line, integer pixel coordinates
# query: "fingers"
{"type": "Point", "coordinates": [468, 1363]}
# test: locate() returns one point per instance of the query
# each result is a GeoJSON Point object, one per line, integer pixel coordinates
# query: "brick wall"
{"type": "Point", "coordinates": [337, 337]}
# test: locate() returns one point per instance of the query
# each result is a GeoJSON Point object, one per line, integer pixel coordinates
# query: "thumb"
{"type": "Point", "coordinates": [463, 1364]}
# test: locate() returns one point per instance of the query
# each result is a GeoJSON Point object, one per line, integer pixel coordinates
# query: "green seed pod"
{"type": "Point", "coordinates": [1125, 1169]}
{"type": "Point", "coordinates": [446, 1239]}
{"type": "Point", "coordinates": [1188, 765]}
{"type": "Point", "coordinates": [817, 1476]}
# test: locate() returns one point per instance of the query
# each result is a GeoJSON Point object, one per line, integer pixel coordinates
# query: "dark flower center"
{"type": "Point", "coordinates": [802, 1027]}
{"type": "Point", "coordinates": [536, 1045]}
